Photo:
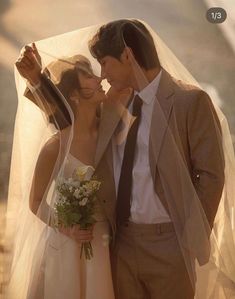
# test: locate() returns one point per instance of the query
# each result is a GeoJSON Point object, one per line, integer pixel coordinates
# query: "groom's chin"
{"type": "Point", "coordinates": [118, 87]}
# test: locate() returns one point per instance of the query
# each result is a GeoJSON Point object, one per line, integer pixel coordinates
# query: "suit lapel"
{"type": "Point", "coordinates": [111, 115]}
{"type": "Point", "coordinates": [160, 118]}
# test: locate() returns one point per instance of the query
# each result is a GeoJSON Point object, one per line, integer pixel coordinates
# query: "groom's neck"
{"type": "Point", "coordinates": [144, 78]}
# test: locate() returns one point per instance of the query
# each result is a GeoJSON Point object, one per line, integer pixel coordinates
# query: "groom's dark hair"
{"type": "Point", "coordinates": [112, 38]}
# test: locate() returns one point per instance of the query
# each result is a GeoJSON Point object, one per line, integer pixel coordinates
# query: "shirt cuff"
{"type": "Point", "coordinates": [33, 88]}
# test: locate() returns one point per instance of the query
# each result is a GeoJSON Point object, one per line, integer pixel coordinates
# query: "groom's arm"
{"type": "Point", "coordinates": [206, 152]}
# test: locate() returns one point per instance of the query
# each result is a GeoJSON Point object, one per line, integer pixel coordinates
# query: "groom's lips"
{"type": "Point", "coordinates": [101, 88]}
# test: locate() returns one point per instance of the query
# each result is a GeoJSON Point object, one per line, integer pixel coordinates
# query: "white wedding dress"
{"type": "Point", "coordinates": [80, 278]}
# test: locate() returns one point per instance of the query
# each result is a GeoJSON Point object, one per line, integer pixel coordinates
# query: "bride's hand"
{"type": "Point", "coordinates": [77, 234]}
{"type": "Point", "coordinates": [29, 64]}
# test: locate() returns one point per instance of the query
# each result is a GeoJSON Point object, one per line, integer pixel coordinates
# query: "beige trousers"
{"type": "Point", "coordinates": [147, 263]}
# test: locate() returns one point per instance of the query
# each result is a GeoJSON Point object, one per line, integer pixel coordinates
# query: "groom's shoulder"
{"type": "Point", "coordinates": [188, 94]}
{"type": "Point", "coordinates": [183, 88]}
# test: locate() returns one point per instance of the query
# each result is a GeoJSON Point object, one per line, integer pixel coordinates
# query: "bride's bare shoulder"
{"type": "Point", "coordinates": [50, 150]}
{"type": "Point", "coordinates": [56, 144]}
{"type": "Point", "coordinates": [52, 145]}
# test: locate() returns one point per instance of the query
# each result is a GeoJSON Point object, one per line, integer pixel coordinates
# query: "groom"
{"type": "Point", "coordinates": [173, 142]}
{"type": "Point", "coordinates": [147, 259]}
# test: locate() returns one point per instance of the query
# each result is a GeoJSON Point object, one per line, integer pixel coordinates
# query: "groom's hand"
{"type": "Point", "coordinates": [77, 234]}
{"type": "Point", "coordinates": [119, 95]}
{"type": "Point", "coordinates": [29, 64]}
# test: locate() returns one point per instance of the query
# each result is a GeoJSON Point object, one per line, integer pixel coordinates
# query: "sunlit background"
{"type": "Point", "coordinates": [207, 50]}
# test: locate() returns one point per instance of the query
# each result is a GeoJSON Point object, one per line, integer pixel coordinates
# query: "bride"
{"type": "Point", "coordinates": [80, 278]}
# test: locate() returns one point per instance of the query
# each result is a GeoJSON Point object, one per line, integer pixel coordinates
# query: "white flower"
{"type": "Point", "coordinates": [61, 180]}
{"type": "Point", "coordinates": [88, 192]}
{"type": "Point", "coordinates": [81, 172]}
{"type": "Point", "coordinates": [84, 172]}
{"type": "Point", "coordinates": [76, 184]}
{"type": "Point", "coordinates": [62, 199]}
{"type": "Point", "coordinates": [69, 180]}
{"type": "Point", "coordinates": [83, 202]}
{"type": "Point", "coordinates": [76, 193]}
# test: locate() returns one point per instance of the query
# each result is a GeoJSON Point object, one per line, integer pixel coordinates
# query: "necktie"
{"type": "Point", "coordinates": [125, 181]}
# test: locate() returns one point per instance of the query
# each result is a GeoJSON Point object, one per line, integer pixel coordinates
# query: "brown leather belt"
{"type": "Point", "coordinates": [158, 228]}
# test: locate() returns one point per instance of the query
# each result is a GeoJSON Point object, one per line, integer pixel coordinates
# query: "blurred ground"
{"type": "Point", "coordinates": [203, 47]}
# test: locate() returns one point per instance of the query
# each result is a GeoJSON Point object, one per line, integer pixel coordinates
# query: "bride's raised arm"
{"type": "Point", "coordinates": [40, 89]}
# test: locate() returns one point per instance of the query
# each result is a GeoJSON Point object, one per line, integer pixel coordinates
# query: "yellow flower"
{"type": "Point", "coordinates": [84, 172]}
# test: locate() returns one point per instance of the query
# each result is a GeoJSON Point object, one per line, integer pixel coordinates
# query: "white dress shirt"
{"type": "Point", "coordinates": [146, 206]}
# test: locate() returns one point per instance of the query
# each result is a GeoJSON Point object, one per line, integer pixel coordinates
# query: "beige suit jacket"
{"type": "Point", "coordinates": [184, 127]}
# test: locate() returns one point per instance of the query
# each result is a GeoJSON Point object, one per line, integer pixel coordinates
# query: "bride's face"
{"type": "Point", "coordinates": [90, 88]}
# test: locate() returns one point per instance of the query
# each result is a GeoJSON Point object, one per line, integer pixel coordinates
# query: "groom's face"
{"type": "Point", "coordinates": [117, 72]}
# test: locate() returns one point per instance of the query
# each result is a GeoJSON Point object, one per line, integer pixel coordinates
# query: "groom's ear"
{"type": "Point", "coordinates": [127, 55]}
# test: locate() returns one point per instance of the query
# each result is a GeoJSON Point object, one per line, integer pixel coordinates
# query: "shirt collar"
{"type": "Point", "coordinates": [149, 92]}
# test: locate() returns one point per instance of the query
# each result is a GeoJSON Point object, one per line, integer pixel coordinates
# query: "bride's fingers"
{"type": "Point", "coordinates": [83, 239]}
{"type": "Point", "coordinates": [25, 49]}
{"type": "Point", "coordinates": [22, 64]}
{"type": "Point", "coordinates": [77, 234]}
{"type": "Point", "coordinates": [83, 236]}
{"type": "Point", "coordinates": [19, 65]}
{"type": "Point", "coordinates": [26, 60]}
{"type": "Point", "coordinates": [82, 233]}
{"type": "Point", "coordinates": [36, 53]}
{"type": "Point", "coordinates": [30, 54]}
{"type": "Point", "coordinates": [65, 230]}
{"type": "Point", "coordinates": [85, 232]}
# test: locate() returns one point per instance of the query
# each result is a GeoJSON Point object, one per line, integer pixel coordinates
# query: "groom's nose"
{"type": "Point", "coordinates": [98, 79]}
{"type": "Point", "coordinates": [102, 74]}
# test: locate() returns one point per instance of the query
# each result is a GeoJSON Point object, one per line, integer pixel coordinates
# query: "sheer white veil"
{"type": "Point", "coordinates": [31, 236]}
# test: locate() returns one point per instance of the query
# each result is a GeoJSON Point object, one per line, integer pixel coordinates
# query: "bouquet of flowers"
{"type": "Point", "coordinates": [76, 203]}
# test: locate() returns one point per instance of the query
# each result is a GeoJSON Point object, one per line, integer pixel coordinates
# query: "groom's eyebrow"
{"type": "Point", "coordinates": [100, 59]}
